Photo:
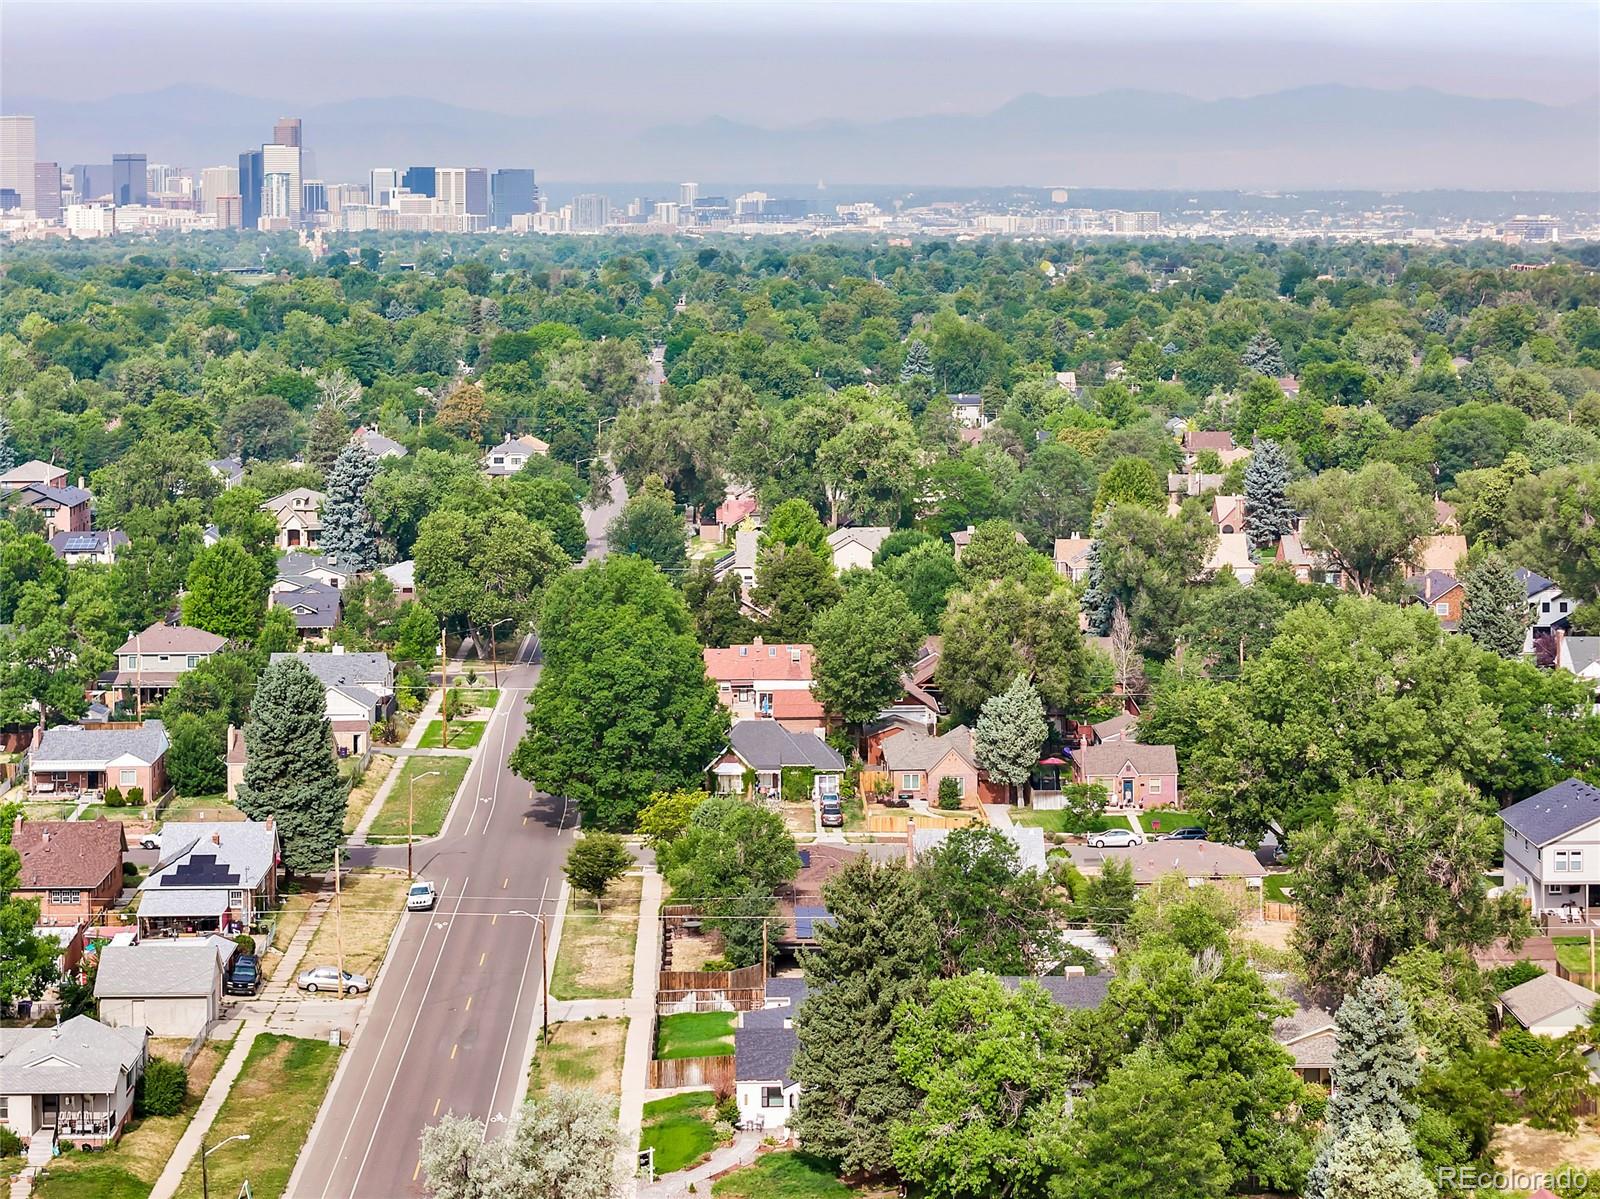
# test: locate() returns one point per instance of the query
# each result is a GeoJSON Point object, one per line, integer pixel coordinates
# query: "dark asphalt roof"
{"type": "Point", "coordinates": [1077, 991]}
{"type": "Point", "coordinates": [763, 1053]}
{"type": "Point", "coordinates": [767, 745]}
{"type": "Point", "coordinates": [1554, 812]}
{"type": "Point", "coordinates": [1533, 581]}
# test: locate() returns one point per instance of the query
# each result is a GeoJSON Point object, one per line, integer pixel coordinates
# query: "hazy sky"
{"type": "Point", "coordinates": [783, 63]}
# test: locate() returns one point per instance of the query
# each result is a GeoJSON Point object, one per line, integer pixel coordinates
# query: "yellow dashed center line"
{"type": "Point", "coordinates": [436, 1104]}
{"type": "Point", "coordinates": [453, 1049]}
{"type": "Point", "coordinates": [418, 1170]}
{"type": "Point", "coordinates": [504, 883]}
{"type": "Point", "coordinates": [483, 957]}
{"type": "Point", "coordinates": [469, 1003]}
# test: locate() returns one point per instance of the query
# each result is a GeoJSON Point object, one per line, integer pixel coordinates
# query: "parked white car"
{"type": "Point", "coordinates": [421, 897]}
{"type": "Point", "coordinates": [150, 841]}
{"type": "Point", "coordinates": [1118, 838]}
{"type": "Point", "coordinates": [326, 978]}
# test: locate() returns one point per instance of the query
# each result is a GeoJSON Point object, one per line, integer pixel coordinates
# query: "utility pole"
{"type": "Point", "coordinates": [544, 972]}
{"type": "Point", "coordinates": [338, 924]}
{"type": "Point", "coordinates": [411, 813]}
{"type": "Point", "coordinates": [444, 689]}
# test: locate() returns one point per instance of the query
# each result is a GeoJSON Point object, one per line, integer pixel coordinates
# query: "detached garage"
{"type": "Point", "coordinates": [173, 988]}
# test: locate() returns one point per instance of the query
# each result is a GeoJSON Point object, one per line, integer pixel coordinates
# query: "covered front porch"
{"type": "Point", "coordinates": [189, 913]}
{"type": "Point", "coordinates": [82, 1120]}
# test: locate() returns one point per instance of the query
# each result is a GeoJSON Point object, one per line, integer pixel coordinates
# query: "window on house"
{"type": "Point", "coordinates": [1153, 786]}
{"type": "Point", "coordinates": [771, 1096]}
{"type": "Point", "coordinates": [165, 658]}
{"type": "Point", "coordinates": [744, 651]}
{"type": "Point", "coordinates": [1441, 609]}
{"type": "Point", "coordinates": [1545, 607]}
{"type": "Point", "coordinates": [5, 1109]}
{"type": "Point", "coordinates": [909, 782]}
{"type": "Point", "coordinates": [127, 778]}
{"type": "Point", "coordinates": [192, 661]}
{"type": "Point", "coordinates": [236, 900]}
{"type": "Point", "coordinates": [765, 702]}
{"type": "Point", "coordinates": [64, 897]}
{"type": "Point", "coordinates": [1569, 860]}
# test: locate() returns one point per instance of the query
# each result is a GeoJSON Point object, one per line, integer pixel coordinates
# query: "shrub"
{"type": "Point", "coordinates": [795, 783]}
{"type": "Point", "coordinates": [114, 797]}
{"type": "Point", "coordinates": [727, 1110]}
{"type": "Point", "coordinates": [245, 942]}
{"type": "Point", "coordinates": [718, 964]}
{"type": "Point", "coordinates": [129, 870]}
{"type": "Point", "coordinates": [949, 793]}
{"type": "Point", "coordinates": [135, 797]}
{"type": "Point", "coordinates": [456, 704]}
{"type": "Point", "coordinates": [163, 1088]}
{"type": "Point", "coordinates": [10, 1142]}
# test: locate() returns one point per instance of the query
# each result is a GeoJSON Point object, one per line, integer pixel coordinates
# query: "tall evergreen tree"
{"type": "Point", "coordinates": [1098, 603]}
{"type": "Point", "coordinates": [918, 363]}
{"type": "Point", "coordinates": [348, 533]}
{"type": "Point", "coordinates": [1367, 1136]}
{"type": "Point", "coordinates": [878, 951]}
{"type": "Point", "coordinates": [1495, 614]}
{"type": "Point", "coordinates": [290, 772]}
{"type": "Point", "coordinates": [1011, 729]}
{"type": "Point", "coordinates": [1264, 356]}
{"type": "Point", "coordinates": [1268, 514]}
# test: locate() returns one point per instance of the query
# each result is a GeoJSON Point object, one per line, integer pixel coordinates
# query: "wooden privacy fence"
{"type": "Point", "coordinates": [895, 822]}
{"type": "Point", "coordinates": [1582, 977]}
{"type": "Point", "coordinates": [1279, 913]}
{"type": "Point", "coordinates": [741, 990]}
{"type": "Point", "coordinates": [716, 1073]}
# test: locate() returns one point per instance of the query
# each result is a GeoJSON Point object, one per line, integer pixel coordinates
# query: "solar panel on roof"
{"type": "Point", "coordinates": [80, 542]}
{"type": "Point", "coordinates": [201, 870]}
{"type": "Point", "coordinates": [806, 920]}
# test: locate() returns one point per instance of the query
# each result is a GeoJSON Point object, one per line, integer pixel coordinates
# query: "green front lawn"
{"type": "Point", "coordinates": [274, 1099]}
{"type": "Point", "coordinates": [1573, 953]}
{"type": "Point", "coordinates": [694, 1034]}
{"type": "Point", "coordinates": [1169, 821]}
{"type": "Point", "coordinates": [464, 734]}
{"type": "Point", "coordinates": [679, 1128]}
{"type": "Point", "coordinates": [1277, 886]}
{"type": "Point", "coordinates": [1061, 821]}
{"type": "Point", "coordinates": [783, 1175]}
{"type": "Point", "coordinates": [433, 796]}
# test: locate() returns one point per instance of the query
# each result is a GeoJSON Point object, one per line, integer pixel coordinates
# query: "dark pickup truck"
{"type": "Point", "coordinates": [244, 976]}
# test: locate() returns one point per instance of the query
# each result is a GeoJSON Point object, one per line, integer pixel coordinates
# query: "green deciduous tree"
{"type": "Point", "coordinates": [1011, 730]}
{"type": "Point", "coordinates": [1148, 563]}
{"type": "Point", "coordinates": [927, 574]}
{"type": "Point", "coordinates": [194, 761]}
{"type": "Point", "coordinates": [795, 522]}
{"type": "Point", "coordinates": [1369, 524]}
{"type": "Point", "coordinates": [992, 913]}
{"type": "Point", "coordinates": [227, 593]}
{"type": "Point", "coordinates": [1133, 482]}
{"type": "Point", "coordinates": [863, 646]}
{"type": "Point", "coordinates": [794, 585]}
{"type": "Point", "coordinates": [651, 527]}
{"type": "Point", "coordinates": [1003, 629]}
{"type": "Point", "coordinates": [290, 773]}
{"type": "Point", "coordinates": [595, 862]}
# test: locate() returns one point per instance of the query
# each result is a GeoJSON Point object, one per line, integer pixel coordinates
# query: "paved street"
{"type": "Point", "coordinates": [449, 1025]}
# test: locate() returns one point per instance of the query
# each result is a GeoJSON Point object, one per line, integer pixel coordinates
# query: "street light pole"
{"type": "Point", "coordinates": [411, 814]}
{"type": "Point", "coordinates": [494, 650]}
{"type": "Point", "coordinates": [205, 1181]}
{"type": "Point", "coordinates": [544, 968]}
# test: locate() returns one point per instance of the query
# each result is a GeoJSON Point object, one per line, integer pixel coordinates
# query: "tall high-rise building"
{"type": "Point", "coordinates": [419, 181]}
{"type": "Point", "coordinates": [590, 212]}
{"type": "Point", "coordinates": [287, 132]}
{"type": "Point", "coordinates": [47, 191]}
{"type": "Point", "coordinates": [161, 178]}
{"type": "Point", "coordinates": [282, 160]}
{"type": "Point", "coordinates": [229, 210]}
{"type": "Point", "coordinates": [18, 151]}
{"type": "Point", "coordinates": [129, 179]}
{"type": "Point", "coordinates": [450, 189]}
{"type": "Point", "coordinates": [278, 196]}
{"type": "Point", "coordinates": [688, 193]}
{"type": "Point", "coordinates": [512, 193]}
{"type": "Point", "coordinates": [384, 181]}
{"type": "Point", "coordinates": [478, 193]}
{"type": "Point", "coordinates": [314, 196]}
{"type": "Point", "coordinates": [250, 189]}
{"type": "Point", "coordinates": [216, 182]}
{"type": "Point", "coordinates": [91, 181]}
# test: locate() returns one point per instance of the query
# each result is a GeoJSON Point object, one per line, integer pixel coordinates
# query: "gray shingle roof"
{"type": "Point", "coordinates": [81, 1056]}
{"type": "Point", "coordinates": [1076, 991]}
{"type": "Point", "coordinates": [760, 1054]}
{"type": "Point", "coordinates": [912, 750]}
{"type": "Point", "coordinates": [1533, 581]}
{"type": "Point", "coordinates": [1540, 999]}
{"type": "Point", "coordinates": [1099, 761]}
{"type": "Point", "coordinates": [245, 848]}
{"type": "Point", "coordinates": [373, 671]}
{"type": "Point", "coordinates": [295, 565]}
{"type": "Point", "coordinates": [72, 743]}
{"type": "Point", "coordinates": [157, 969]}
{"type": "Point", "coordinates": [172, 639]}
{"type": "Point", "coordinates": [767, 745]}
{"type": "Point", "coordinates": [313, 605]}
{"type": "Point", "coordinates": [89, 541]}
{"type": "Point", "coordinates": [1582, 652]}
{"type": "Point", "coordinates": [1554, 812]}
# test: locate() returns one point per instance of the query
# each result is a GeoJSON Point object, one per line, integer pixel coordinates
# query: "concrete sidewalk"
{"type": "Point", "coordinates": [189, 1144]}
{"type": "Point", "coordinates": [640, 1009]}
{"type": "Point", "coordinates": [740, 1151]}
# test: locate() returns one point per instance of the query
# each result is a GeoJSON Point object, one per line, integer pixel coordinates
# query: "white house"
{"type": "Point", "coordinates": [359, 689]}
{"type": "Point", "coordinates": [1548, 609]}
{"type": "Point", "coordinates": [1550, 1006]}
{"type": "Point", "coordinates": [512, 454]}
{"type": "Point", "coordinates": [74, 1081]}
{"type": "Point", "coordinates": [763, 1057]}
{"type": "Point", "coordinates": [1580, 655]}
{"type": "Point", "coordinates": [968, 410]}
{"type": "Point", "coordinates": [853, 549]}
{"type": "Point", "coordinates": [1552, 849]}
{"type": "Point", "coordinates": [171, 988]}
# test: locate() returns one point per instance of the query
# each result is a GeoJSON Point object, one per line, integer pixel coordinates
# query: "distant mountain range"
{"type": "Point", "coordinates": [1323, 136]}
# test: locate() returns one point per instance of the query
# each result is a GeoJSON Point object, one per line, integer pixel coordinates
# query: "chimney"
{"type": "Point", "coordinates": [757, 642]}
{"type": "Point", "coordinates": [272, 822]}
{"type": "Point", "coordinates": [38, 736]}
{"type": "Point", "coordinates": [16, 827]}
{"type": "Point", "coordinates": [216, 837]}
{"type": "Point", "coordinates": [911, 841]}
{"type": "Point", "coordinates": [44, 835]}
{"type": "Point", "coordinates": [338, 649]}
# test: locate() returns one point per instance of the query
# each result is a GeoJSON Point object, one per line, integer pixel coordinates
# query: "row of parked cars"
{"type": "Point", "coordinates": [1121, 838]}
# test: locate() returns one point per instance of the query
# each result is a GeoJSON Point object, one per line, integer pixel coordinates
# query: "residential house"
{"type": "Point", "coordinates": [1309, 1034]}
{"type": "Point", "coordinates": [377, 444]}
{"type": "Point", "coordinates": [359, 690]}
{"type": "Point", "coordinates": [1124, 726]}
{"type": "Point", "coordinates": [1197, 442]}
{"type": "Point", "coordinates": [402, 577]}
{"type": "Point", "coordinates": [210, 878]}
{"type": "Point", "coordinates": [1550, 1006]}
{"type": "Point", "coordinates": [314, 606]}
{"type": "Point", "coordinates": [919, 706]}
{"type": "Point", "coordinates": [742, 562]}
{"type": "Point", "coordinates": [229, 470]}
{"type": "Point", "coordinates": [46, 474]}
{"type": "Point", "coordinates": [1440, 552]}
{"type": "Point", "coordinates": [72, 868]}
{"type": "Point", "coordinates": [235, 759]}
{"type": "Point", "coordinates": [853, 549]}
{"type": "Point", "coordinates": [95, 545]}
{"type": "Point", "coordinates": [1028, 842]}
{"type": "Point", "coordinates": [1552, 849]}
{"type": "Point", "coordinates": [73, 1082]}
{"type": "Point", "coordinates": [294, 569]}
{"type": "Point", "coordinates": [1308, 565]}
{"type": "Point", "coordinates": [299, 516]}
{"type": "Point", "coordinates": [918, 764]}
{"type": "Point", "coordinates": [1197, 861]}
{"type": "Point", "coordinates": [764, 1046]}
{"type": "Point", "coordinates": [968, 410]}
{"type": "Point", "coordinates": [72, 759]}
{"type": "Point", "coordinates": [1233, 552]}
{"type": "Point", "coordinates": [1549, 612]}
{"type": "Point", "coordinates": [772, 682]}
{"type": "Point", "coordinates": [1067, 381]}
{"type": "Point", "coordinates": [1444, 516]}
{"type": "Point", "coordinates": [729, 515]}
{"type": "Point", "coordinates": [149, 663]}
{"type": "Point", "coordinates": [169, 988]}
{"type": "Point", "coordinates": [1072, 557]}
{"type": "Point", "coordinates": [62, 509]}
{"type": "Point", "coordinates": [1134, 775]}
{"type": "Point", "coordinates": [512, 454]}
{"type": "Point", "coordinates": [764, 749]}
{"type": "Point", "coordinates": [1194, 483]}
{"type": "Point", "coordinates": [1441, 593]}
{"type": "Point", "coordinates": [1227, 513]}
{"type": "Point", "coordinates": [1580, 655]}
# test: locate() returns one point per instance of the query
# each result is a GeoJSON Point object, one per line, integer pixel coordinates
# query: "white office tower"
{"type": "Point", "coordinates": [688, 193]}
{"type": "Point", "coordinates": [278, 194]}
{"type": "Point", "coordinates": [384, 181]}
{"type": "Point", "coordinates": [282, 160]}
{"type": "Point", "coordinates": [450, 190]}
{"type": "Point", "coordinates": [664, 213]}
{"type": "Point", "coordinates": [216, 182]}
{"type": "Point", "coordinates": [18, 151]}
{"type": "Point", "coordinates": [591, 213]}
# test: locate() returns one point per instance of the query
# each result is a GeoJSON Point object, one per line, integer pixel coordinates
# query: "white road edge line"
{"type": "Point", "coordinates": [516, 1006]}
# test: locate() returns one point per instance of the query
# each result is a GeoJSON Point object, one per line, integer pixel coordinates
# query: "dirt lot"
{"type": "Point", "coordinates": [1520, 1148]}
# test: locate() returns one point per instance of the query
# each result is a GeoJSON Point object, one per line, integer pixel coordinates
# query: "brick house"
{"type": "Point", "coordinates": [917, 764]}
{"type": "Point", "coordinates": [35, 471]}
{"type": "Point", "coordinates": [63, 509]}
{"type": "Point", "coordinates": [71, 759]}
{"type": "Point", "coordinates": [766, 682]}
{"type": "Point", "coordinates": [1441, 593]}
{"type": "Point", "coordinates": [1134, 775]}
{"type": "Point", "coordinates": [73, 868]}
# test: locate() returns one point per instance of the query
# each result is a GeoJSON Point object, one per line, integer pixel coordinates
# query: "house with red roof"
{"type": "Point", "coordinates": [761, 681]}
{"type": "Point", "coordinates": [73, 868]}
